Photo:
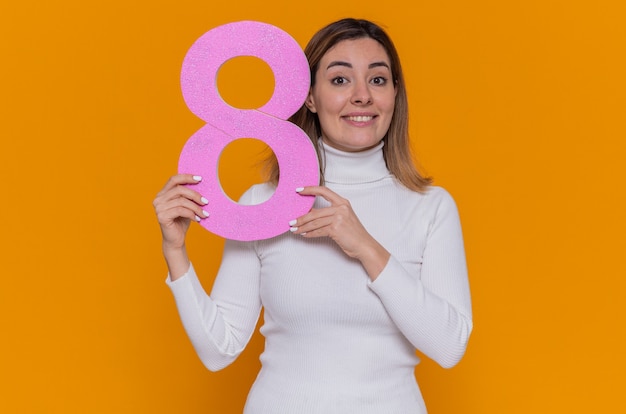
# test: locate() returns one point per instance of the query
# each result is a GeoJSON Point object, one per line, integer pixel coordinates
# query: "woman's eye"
{"type": "Point", "coordinates": [379, 80]}
{"type": "Point", "coordinates": [339, 80]}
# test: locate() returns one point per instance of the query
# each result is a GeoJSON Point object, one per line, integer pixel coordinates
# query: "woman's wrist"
{"type": "Point", "coordinates": [177, 261]}
{"type": "Point", "coordinates": [374, 259]}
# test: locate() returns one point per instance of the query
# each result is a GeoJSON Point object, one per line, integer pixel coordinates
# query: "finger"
{"type": "Point", "coordinates": [314, 226]}
{"type": "Point", "coordinates": [324, 192]}
{"type": "Point", "coordinates": [182, 191]}
{"type": "Point", "coordinates": [312, 215]}
{"type": "Point", "coordinates": [179, 191]}
{"type": "Point", "coordinates": [180, 179]}
{"type": "Point", "coordinates": [174, 214]}
{"type": "Point", "coordinates": [321, 232]}
{"type": "Point", "coordinates": [180, 207]}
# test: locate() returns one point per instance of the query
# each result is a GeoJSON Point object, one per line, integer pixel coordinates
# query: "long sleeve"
{"type": "Point", "coordinates": [433, 310]}
{"type": "Point", "coordinates": [220, 325]}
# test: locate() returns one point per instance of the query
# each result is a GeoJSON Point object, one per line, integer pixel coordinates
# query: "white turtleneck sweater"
{"type": "Point", "coordinates": [335, 342]}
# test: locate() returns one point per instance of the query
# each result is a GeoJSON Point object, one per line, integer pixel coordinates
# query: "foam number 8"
{"type": "Point", "coordinates": [294, 151]}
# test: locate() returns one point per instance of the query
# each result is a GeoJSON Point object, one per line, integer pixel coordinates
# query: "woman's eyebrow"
{"type": "Point", "coordinates": [378, 64]}
{"type": "Point", "coordinates": [349, 65]}
{"type": "Point", "coordinates": [338, 63]}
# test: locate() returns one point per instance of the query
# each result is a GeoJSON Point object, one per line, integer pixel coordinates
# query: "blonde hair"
{"type": "Point", "coordinates": [396, 151]}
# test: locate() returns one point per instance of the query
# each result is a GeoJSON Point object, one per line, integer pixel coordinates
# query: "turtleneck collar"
{"type": "Point", "coordinates": [342, 167]}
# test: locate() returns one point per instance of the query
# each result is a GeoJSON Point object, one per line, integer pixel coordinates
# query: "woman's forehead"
{"type": "Point", "coordinates": [351, 50]}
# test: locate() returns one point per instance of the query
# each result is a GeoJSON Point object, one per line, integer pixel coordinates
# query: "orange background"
{"type": "Point", "coordinates": [518, 109]}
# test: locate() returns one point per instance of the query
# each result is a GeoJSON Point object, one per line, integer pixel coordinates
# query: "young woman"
{"type": "Point", "coordinates": [373, 272]}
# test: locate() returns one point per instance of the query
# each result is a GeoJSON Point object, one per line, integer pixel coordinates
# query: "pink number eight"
{"type": "Point", "coordinates": [295, 153]}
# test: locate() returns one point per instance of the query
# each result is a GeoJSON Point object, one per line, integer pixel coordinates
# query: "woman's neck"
{"type": "Point", "coordinates": [342, 167]}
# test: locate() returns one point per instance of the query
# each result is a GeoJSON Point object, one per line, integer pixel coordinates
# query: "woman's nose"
{"type": "Point", "coordinates": [361, 94]}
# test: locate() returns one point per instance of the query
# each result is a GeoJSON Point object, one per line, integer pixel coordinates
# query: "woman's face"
{"type": "Point", "coordinates": [354, 94]}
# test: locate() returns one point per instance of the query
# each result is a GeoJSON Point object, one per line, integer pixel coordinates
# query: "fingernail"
{"type": "Point", "coordinates": [205, 213]}
{"type": "Point", "coordinates": [299, 189]}
{"type": "Point", "coordinates": [197, 178]}
{"type": "Point", "coordinates": [204, 200]}
{"type": "Point", "coordinates": [198, 218]}
{"type": "Point", "coordinates": [292, 229]}
{"type": "Point", "coordinates": [292, 222]}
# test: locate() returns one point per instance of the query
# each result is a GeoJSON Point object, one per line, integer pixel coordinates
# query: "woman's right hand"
{"type": "Point", "coordinates": [175, 206]}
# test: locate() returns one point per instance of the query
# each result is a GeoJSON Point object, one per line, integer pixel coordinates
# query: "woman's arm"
{"type": "Point", "coordinates": [433, 309]}
{"type": "Point", "coordinates": [219, 326]}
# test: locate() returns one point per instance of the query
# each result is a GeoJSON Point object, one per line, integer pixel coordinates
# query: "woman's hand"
{"type": "Point", "coordinates": [340, 223]}
{"type": "Point", "coordinates": [175, 206]}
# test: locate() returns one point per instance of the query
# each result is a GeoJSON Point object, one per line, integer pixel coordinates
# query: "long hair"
{"type": "Point", "coordinates": [396, 150]}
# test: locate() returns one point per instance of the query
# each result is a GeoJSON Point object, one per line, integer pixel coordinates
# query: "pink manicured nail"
{"type": "Point", "coordinates": [299, 189]}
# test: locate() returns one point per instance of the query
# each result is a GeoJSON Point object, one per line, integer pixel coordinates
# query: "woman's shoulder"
{"type": "Point", "coordinates": [434, 197]}
{"type": "Point", "coordinates": [438, 192]}
{"type": "Point", "coordinates": [441, 201]}
{"type": "Point", "coordinates": [432, 193]}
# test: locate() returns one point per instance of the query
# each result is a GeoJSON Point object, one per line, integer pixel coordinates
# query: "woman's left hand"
{"type": "Point", "coordinates": [340, 223]}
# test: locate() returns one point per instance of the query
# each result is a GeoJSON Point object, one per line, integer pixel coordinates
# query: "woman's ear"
{"type": "Point", "coordinates": [310, 102]}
